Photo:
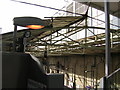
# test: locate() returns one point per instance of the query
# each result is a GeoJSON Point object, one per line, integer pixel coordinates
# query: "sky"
{"type": "Point", "coordinates": [10, 9]}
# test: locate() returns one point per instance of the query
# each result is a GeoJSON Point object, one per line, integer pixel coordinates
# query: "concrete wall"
{"type": "Point", "coordinates": [84, 70]}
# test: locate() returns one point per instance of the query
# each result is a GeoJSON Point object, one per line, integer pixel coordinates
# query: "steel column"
{"type": "Point", "coordinates": [107, 41]}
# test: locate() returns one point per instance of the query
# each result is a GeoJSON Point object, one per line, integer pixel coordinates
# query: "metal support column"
{"type": "Point", "coordinates": [14, 37]}
{"type": "Point", "coordinates": [107, 33]}
{"type": "Point", "coordinates": [1, 71]}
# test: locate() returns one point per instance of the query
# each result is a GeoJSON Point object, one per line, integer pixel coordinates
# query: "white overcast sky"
{"type": "Point", "coordinates": [10, 9]}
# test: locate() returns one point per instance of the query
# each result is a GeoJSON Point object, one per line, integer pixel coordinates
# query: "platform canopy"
{"type": "Point", "coordinates": [58, 37]}
{"type": "Point", "coordinates": [52, 24]}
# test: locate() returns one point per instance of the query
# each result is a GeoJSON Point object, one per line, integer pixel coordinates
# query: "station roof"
{"type": "Point", "coordinates": [114, 7]}
{"type": "Point", "coordinates": [57, 24]}
{"type": "Point", "coordinates": [63, 22]}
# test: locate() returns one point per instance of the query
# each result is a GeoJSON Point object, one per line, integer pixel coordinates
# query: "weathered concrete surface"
{"type": "Point", "coordinates": [86, 69]}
